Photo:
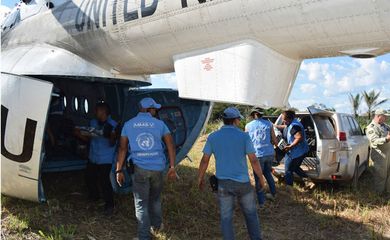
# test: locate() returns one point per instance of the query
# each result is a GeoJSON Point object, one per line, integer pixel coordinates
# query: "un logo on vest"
{"type": "Point", "coordinates": [145, 141]}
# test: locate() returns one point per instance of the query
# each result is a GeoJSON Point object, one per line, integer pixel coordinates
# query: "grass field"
{"type": "Point", "coordinates": [328, 212]}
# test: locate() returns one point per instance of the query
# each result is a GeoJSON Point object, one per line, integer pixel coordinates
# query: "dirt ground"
{"type": "Point", "coordinates": [330, 211]}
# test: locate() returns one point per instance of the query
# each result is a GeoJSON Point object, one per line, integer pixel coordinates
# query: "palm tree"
{"type": "Point", "coordinates": [355, 102]}
{"type": "Point", "coordinates": [371, 100]}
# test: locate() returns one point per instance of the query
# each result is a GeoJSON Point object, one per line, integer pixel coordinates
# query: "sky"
{"type": "Point", "coordinates": [9, 3]}
{"type": "Point", "coordinates": [325, 80]}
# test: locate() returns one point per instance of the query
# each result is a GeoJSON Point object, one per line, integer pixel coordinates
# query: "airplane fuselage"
{"type": "Point", "coordinates": [141, 37]}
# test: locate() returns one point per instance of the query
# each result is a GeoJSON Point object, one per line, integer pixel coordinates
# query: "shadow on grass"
{"type": "Point", "coordinates": [189, 213]}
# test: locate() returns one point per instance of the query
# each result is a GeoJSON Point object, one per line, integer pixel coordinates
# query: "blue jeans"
{"type": "Point", "coordinates": [292, 165]}
{"type": "Point", "coordinates": [147, 187]}
{"type": "Point", "coordinates": [266, 166]}
{"type": "Point", "coordinates": [228, 190]}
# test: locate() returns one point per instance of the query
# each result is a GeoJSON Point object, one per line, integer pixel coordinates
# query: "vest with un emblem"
{"type": "Point", "coordinates": [146, 147]}
{"type": "Point", "coordinates": [260, 132]}
{"type": "Point", "coordinates": [302, 147]}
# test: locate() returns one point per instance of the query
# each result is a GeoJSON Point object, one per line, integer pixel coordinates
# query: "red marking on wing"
{"type": "Point", "coordinates": [207, 63]}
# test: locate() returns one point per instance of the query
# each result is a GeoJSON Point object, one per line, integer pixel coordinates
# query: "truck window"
{"type": "Point", "coordinates": [325, 127]}
{"type": "Point", "coordinates": [347, 125]}
{"type": "Point", "coordinates": [355, 126]}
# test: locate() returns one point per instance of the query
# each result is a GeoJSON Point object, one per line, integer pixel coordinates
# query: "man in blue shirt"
{"type": "Point", "coordinates": [230, 146]}
{"type": "Point", "coordinates": [263, 138]}
{"type": "Point", "coordinates": [144, 136]}
{"type": "Point", "coordinates": [296, 149]}
{"type": "Point", "coordinates": [101, 155]}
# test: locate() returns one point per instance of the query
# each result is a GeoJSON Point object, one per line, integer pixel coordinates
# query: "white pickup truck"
{"type": "Point", "coordinates": [339, 149]}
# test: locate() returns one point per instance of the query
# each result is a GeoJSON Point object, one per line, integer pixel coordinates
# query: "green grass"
{"type": "Point", "coordinates": [330, 211]}
{"type": "Point", "coordinates": [16, 224]}
{"type": "Point", "coordinates": [213, 126]}
{"type": "Point", "coordinates": [59, 233]}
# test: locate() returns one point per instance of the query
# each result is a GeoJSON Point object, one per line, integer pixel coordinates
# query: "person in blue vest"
{"type": "Point", "coordinates": [144, 136]}
{"type": "Point", "coordinates": [263, 138]}
{"type": "Point", "coordinates": [102, 148]}
{"type": "Point", "coordinates": [230, 146]}
{"type": "Point", "coordinates": [296, 149]}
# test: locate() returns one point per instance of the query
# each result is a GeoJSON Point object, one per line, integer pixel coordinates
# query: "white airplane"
{"type": "Point", "coordinates": [238, 51]}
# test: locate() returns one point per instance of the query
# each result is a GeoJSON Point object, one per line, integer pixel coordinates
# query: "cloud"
{"type": "Point", "coordinates": [335, 78]}
{"type": "Point", "coordinates": [340, 107]}
{"type": "Point", "coordinates": [4, 11]}
{"type": "Point", "coordinates": [314, 70]}
{"type": "Point", "coordinates": [166, 80]}
{"type": "Point", "coordinates": [302, 104]}
{"type": "Point", "coordinates": [308, 87]}
{"type": "Point", "coordinates": [342, 78]}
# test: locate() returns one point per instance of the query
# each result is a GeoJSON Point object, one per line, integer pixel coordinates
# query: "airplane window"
{"type": "Point", "coordinates": [86, 105]}
{"type": "Point", "coordinates": [76, 104]}
{"type": "Point", "coordinates": [49, 5]}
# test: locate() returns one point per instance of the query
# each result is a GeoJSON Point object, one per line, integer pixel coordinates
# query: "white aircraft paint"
{"type": "Point", "coordinates": [24, 98]}
{"type": "Point", "coordinates": [237, 73]}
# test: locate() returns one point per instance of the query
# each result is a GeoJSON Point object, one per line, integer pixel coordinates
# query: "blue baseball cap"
{"type": "Point", "coordinates": [232, 112]}
{"type": "Point", "coordinates": [149, 103]}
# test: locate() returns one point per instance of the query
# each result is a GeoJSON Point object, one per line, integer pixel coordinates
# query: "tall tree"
{"type": "Point", "coordinates": [355, 102]}
{"type": "Point", "coordinates": [371, 100]}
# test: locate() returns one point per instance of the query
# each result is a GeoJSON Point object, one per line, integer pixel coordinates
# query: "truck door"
{"type": "Point", "coordinates": [327, 143]}
{"type": "Point", "coordinates": [24, 107]}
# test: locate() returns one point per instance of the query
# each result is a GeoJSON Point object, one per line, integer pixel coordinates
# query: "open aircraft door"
{"type": "Point", "coordinates": [24, 107]}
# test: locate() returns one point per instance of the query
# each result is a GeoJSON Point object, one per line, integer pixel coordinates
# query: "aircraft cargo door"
{"type": "Point", "coordinates": [185, 118]}
{"type": "Point", "coordinates": [24, 106]}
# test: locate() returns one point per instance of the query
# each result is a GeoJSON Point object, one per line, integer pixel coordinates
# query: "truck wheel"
{"type": "Point", "coordinates": [355, 179]}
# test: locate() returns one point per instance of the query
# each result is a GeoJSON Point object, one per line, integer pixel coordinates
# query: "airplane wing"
{"type": "Point", "coordinates": [245, 72]}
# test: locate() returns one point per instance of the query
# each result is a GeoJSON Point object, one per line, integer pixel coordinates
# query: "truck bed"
{"type": "Point", "coordinates": [309, 165]}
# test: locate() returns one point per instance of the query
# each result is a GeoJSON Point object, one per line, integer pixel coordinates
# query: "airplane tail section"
{"type": "Point", "coordinates": [245, 72]}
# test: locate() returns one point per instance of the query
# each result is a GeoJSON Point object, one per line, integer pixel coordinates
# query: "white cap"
{"type": "Point", "coordinates": [380, 112]}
